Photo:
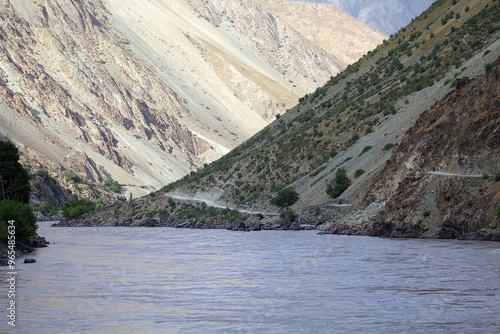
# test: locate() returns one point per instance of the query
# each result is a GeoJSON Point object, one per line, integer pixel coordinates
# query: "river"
{"type": "Point", "coordinates": [165, 280]}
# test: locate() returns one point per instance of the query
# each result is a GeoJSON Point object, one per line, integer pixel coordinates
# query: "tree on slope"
{"type": "Point", "coordinates": [339, 184]}
{"type": "Point", "coordinates": [285, 198]}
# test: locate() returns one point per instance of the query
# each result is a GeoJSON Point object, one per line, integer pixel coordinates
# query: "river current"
{"type": "Point", "coordinates": [165, 280]}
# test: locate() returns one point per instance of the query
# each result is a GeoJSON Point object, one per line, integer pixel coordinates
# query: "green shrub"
{"type": "Point", "coordinates": [77, 207]}
{"type": "Point", "coordinates": [489, 67]}
{"type": "Point", "coordinates": [44, 174]}
{"type": "Point", "coordinates": [339, 184]}
{"type": "Point", "coordinates": [285, 197]}
{"type": "Point", "coordinates": [70, 176]}
{"type": "Point", "coordinates": [23, 217]}
{"type": "Point", "coordinates": [354, 138]}
{"type": "Point", "coordinates": [111, 185]}
{"type": "Point", "coordinates": [359, 172]}
{"type": "Point", "coordinates": [48, 208]}
{"type": "Point", "coordinates": [101, 201]}
{"type": "Point", "coordinates": [288, 215]}
{"type": "Point", "coordinates": [388, 146]}
{"type": "Point", "coordinates": [151, 214]}
{"type": "Point", "coordinates": [497, 211]}
{"type": "Point", "coordinates": [365, 149]}
{"type": "Point", "coordinates": [15, 178]}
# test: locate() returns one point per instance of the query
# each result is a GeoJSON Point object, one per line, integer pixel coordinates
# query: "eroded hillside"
{"type": "Point", "coordinates": [443, 179]}
{"type": "Point", "coordinates": [356, 119]}
{"type": "Point", "coordinates": [146, 92]}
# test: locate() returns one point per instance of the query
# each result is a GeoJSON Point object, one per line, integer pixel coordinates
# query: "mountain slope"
{"type": "Point", "coordinates": [385, 16]}
{"type": "Point", "coordinates": [146, 92]}
{"type": "Point", "coordinates": [348, 122]}
{"type": "Point", "coordinates": [443, 178]}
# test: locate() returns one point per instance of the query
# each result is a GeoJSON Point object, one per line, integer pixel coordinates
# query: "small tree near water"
{"type": "Point", "coordinates": [23, 217]}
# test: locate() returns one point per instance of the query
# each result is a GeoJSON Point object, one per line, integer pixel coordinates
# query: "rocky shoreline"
{"type": "Point", "coordinates": [243, 225]}
{"type": "Point", "coordinates": [370, 228]}
{"type": "Point", "coordinates": [151, 212]}
{"type": "Point", "coordinates": [35, 241]}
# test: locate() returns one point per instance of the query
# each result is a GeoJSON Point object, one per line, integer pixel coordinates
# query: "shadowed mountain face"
{"type": "Point", "coordinates": [387, 16]}
{"type": "Point", "coordinates": [146, 92]}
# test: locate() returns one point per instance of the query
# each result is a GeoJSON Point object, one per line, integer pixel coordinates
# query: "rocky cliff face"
{"type": "Point", "coordinates": [443, 179]}
{"type": "Point", "coordinates": [147, 92]}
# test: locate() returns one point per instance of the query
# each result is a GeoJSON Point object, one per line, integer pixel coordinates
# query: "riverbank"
{"type": "Point", "coordinates": [340, 220]}
{"type": "Point", "coordinates": [34, 242]}
{"type": "Point", "coordinates": [253, 223]}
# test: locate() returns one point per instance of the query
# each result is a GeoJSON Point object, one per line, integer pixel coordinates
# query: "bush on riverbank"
{"type": "Point", "coordinates": [77, 207]}
{"type": "Point", "coordinates": [288, 216]}
{"type": "Point", "coordinates": [202, 212]}
{"type": "Point", "coordinates": [23, 217]}
{"type": "Point", "coordinates": [14, 192]}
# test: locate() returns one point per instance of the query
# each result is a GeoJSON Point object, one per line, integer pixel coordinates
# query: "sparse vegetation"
{"type": "Point", "coordinates": [202, 212]}
{"type": "Point", "coordinates": [70, 176]}
{"type": "Point", "coordinates": [48, 208]}
{"type": "Point", "coordinates": [111, 185]}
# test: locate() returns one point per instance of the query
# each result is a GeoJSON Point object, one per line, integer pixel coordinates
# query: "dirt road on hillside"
{"type": "Point", "coordinates": [453, 174]}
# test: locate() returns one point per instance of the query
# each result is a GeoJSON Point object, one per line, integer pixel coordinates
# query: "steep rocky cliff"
{"type": "Point", "coordinates": [146, 92]}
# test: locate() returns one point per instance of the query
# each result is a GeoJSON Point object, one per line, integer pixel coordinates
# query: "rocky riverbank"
{"type": "Point", "coordinates": [167, 212]}
{"type": "Point", "coordinates": [35, 241]}
{"type": "Point", "coordinates": [248, 223]}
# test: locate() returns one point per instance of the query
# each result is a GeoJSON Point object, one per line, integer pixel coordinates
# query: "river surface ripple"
{"type": "Point", "coordinates": [165, 280]}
